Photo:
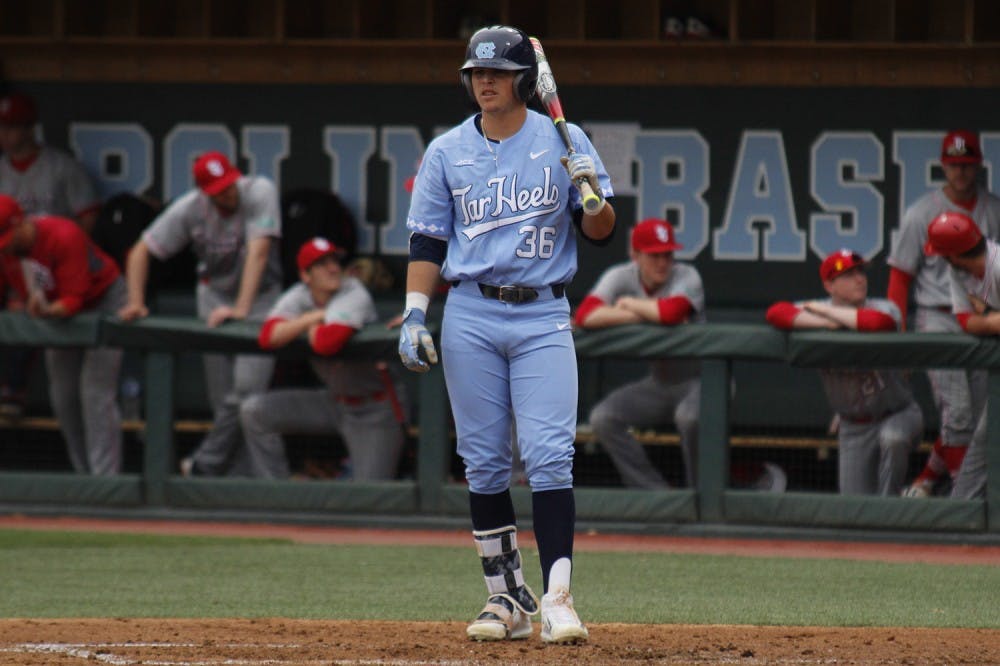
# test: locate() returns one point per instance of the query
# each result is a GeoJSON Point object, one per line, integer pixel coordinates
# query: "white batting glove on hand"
{"type": "Point", "coordinates": [581, 165]}
{"type": "Point", "coordinates": [416, 346]}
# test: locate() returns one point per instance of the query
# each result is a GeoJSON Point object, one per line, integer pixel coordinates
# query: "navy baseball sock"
{"type": "Point", "coordinates": [491, 511]}
{"type": "Point", "coordinates": [554, 521]}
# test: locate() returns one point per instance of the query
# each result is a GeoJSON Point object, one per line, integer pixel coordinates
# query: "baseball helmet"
{"type": "Point", "coordinates": [653, 236]}
{"type": "Point", "coordinates": [506, 48]}
{"type": "Point", "coordinates": [952, 233]}
{"type": "Point", "coordinates": [961, 147]}
{"type": "Point", "coordinates": [838, 263]}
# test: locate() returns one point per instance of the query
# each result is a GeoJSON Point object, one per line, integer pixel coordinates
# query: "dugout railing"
{"type": "Point", "coordinates": [162, 340]}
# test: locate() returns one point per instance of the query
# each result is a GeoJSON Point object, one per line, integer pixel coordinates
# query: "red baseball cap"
{"type": "Point", "coordinates": [951, 232]}
{"type": "Point", "coordinates": [839, 262]}
{"type": "Point", "coordinates": [213, 172]}
{"type": "Point", "coordinates": [653, 235]}
{"type": "Point", "coordinates": [9, 209]}
{"type": "Point", "coordinates": [315, 249]}
{"type": "Point", "coordinates": [18, 109]}
{"type": "Point", "coordinates": [961, 147]}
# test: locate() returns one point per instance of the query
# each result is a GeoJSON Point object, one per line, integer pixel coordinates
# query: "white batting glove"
{"type": "Point", "coordinates": [581, 165]}
{"type": "Point", "coordinates": [416, 346]}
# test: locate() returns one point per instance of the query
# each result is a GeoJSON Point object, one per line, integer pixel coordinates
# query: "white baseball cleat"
{"type": "Point", "coordinates": [560, 623]}
{"type": "Point", "coordinates": [500, 619]}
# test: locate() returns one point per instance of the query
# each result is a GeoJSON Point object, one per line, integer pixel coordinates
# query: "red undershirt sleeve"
{"type": "Point", "coordinates": [331, 338]}
{"type": "Point", "coordinates": [674, 309]}
{"type": "Point", "coordinates": [782, 314]}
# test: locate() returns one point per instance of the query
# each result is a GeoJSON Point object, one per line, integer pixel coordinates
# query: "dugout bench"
{"type": "Point", "coordinates": [430, 494]}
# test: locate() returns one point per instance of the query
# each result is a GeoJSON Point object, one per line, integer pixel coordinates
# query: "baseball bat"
{"type": "Point", "coordinates": [549, 97]}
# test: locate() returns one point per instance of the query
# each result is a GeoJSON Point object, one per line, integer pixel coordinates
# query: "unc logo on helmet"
{"type": "Point", "coordinates": [486, 50]}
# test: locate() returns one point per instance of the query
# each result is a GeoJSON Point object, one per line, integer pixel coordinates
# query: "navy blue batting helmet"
{"type": "Point", "coordinates": [502, 47]}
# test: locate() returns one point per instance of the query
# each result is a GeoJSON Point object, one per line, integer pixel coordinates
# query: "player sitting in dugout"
{"type": "Point", "coordinates": [361, 401]}
{"type": "Point", "coordinates": [880, 423]}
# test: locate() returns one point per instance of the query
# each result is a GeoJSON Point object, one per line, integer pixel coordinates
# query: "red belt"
{"type": "Point", "coordinates": [356, 400]}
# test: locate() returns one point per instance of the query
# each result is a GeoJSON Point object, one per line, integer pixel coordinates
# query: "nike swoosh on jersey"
{"type": "Point", "coordinates": [465, 163]}
{"type": "Point", "coordinates": [535, 156]}
{"type": "Point", "coordinates": [563, 326]}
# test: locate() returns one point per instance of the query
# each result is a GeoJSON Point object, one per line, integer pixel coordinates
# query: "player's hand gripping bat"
{"type": "Point", "coordinates": [549, 97]}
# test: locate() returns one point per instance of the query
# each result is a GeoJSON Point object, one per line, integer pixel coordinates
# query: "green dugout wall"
{"type": "Point", "coordinates": [431, 495]}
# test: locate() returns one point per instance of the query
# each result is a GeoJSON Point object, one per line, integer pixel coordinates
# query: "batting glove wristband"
{"type": "Point", "coordinates": [581, 165]}
{"type": "Point", "coordinates": [416, 346]}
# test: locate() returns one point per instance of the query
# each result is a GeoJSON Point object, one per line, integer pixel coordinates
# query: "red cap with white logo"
{"type": "Point", "coordinates": [653, 235]}
{"type": "Point", "coordinates": [315, 249]}
{"type": "Point", "coordinates": [961, 147]}
{"type": "Point", "coordinates": [213, 173]}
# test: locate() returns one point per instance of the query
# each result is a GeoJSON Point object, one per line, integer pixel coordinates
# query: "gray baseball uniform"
{"type": "Point", "coordinates": [54, 184]}
{"type": "Point", "coordinates": [356, 403]}
{"type": "Point", "coordinates": [953, 389]}
{"type": "Point", "coordinates": [64, 266]}
{"type": "Point", "coordinates": [880, 422]}
{"type": "Point", "coordinates": [671, 392]}
{"type": "Point", "coordinates": [220, 243]}
{"type": "Point", "coordinates": [971, 480]}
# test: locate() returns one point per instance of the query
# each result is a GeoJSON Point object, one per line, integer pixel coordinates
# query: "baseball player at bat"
{"type": "Point", "coordinates": [360, 401]}
{"type": "Point", "coordinates": [234, 223]}
{"type": "Point", "coordinates": [958, 393]}
{"type": "Point", "coordinates": [880, 423]}
{"type": "Point", "coordinates": [55, 267]}
{"type": "Point", "coordinates": [974, 271]}
{"type": "Point", "coordinates": [495, 213]}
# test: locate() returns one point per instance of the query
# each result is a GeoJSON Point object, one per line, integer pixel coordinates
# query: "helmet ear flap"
{"type": "Point", "coordinates": [524, 83]}
{"type": "Point", "coordinates": [466, 78]}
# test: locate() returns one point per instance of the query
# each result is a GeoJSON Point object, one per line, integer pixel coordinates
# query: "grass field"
{"type": "Point", "coordinates": [71, 574]}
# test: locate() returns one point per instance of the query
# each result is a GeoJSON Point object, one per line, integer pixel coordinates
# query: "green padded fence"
{"type": "Point", "coordinates": [161, 339]}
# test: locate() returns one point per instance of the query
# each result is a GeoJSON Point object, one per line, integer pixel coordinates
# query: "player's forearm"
{"type": "Point", "coordinates": [284, 332]}
{"type": "Point", "coordinates": [605, 316]}
{"type": "Point", "coordinates": [601, 225]}
{"type": "Point", "coordinates": [137, 273]}
{"type": "Point", "coordinates": [253, 269]}
{"type": "Point", "coordinates": [988, 324]}
{"type": "Point", "coordinates": [422, 277]}
{"type": "Point", "coordinates": [808, 320]}
{"type": "Point", "coordinates": [644, 309]}
{"type": "Point", "coordinates": [842, 316]}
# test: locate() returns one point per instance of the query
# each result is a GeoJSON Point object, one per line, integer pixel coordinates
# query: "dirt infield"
{"type": "Point", "coordinates": [269, 642]}
{"type": "Point", "coordinates": [186, 642]}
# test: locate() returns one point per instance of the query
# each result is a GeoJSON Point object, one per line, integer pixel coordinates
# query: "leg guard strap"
{"type": "Point", "coordinates": [501, 562]}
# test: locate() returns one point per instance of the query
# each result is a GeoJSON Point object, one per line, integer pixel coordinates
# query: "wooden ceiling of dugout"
{"type": "Point", "coordinates": [640, 42]}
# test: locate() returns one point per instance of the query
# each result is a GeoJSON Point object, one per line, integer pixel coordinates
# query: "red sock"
{"type": "Point", "coordinates": [936, 464]}
{"type": "Point", "coordinates": [953, 456]}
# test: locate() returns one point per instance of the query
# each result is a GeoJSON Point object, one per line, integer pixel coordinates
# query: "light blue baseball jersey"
{"type": "Point", "coordinates": [505, 208]}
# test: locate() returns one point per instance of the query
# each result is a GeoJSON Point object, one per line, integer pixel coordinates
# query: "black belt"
{"type": "Point", "coordinates": [515, 294]}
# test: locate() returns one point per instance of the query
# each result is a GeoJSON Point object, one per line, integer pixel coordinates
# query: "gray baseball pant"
{"type": "Point", "coordinates": [371, 433]}
{"type": "Point", "coordinates": [873, 457]}
{"type": "Point", "coordinates": [971, 480]}
{"type": "Point", "coordinates": [229, 380]}
{"type": "Point", "coordinates": [83, 390]}
{"type": "Point", "coordinates": [958, 394]}
{"type": "Point", "coordinates": [647, 403]}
